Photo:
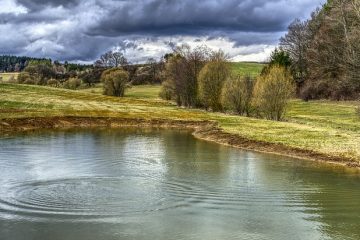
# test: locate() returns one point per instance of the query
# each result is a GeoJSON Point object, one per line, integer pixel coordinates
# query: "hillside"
{"type": "Point", "coordinates": [247, 68]}
{"type": "Point", "coordinates": [321, 127]}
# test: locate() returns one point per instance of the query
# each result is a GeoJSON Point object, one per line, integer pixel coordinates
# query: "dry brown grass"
{"type": "Point", "coordinates": [331, 128]}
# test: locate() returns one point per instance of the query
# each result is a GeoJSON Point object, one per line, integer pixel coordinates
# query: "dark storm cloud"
{"type": "Point", "coordinates": [193, 17]}
{"type": "Point", "coordinates": [82, 30]}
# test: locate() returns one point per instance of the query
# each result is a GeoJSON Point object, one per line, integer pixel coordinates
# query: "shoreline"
{"type": "Point", "coordinates": [204, 130]}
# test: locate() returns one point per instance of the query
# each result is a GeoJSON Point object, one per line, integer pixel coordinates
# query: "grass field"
{"type": "Point", "coordinates": [142, 91]}
{"type": "Point", "coordinates": [331, 128]}
{"type": "Point", "coordinates": [6, 76]}
{"type": "Point", "coordinates": [244, 68]}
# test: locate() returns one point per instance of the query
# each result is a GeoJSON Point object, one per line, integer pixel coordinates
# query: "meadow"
{"type": "Point", "coordinates": [247, 68]}
{"type": "Point", "coordinates": [4, 77]}
{"type": "Point", "coordinates": [325, 127]}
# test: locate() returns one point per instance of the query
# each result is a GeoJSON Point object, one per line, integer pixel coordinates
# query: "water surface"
{"type": "Point", "coordinates": [141, 184]}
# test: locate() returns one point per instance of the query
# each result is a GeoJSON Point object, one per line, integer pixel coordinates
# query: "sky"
{"type": "Point", "coordinates": [81, 30]}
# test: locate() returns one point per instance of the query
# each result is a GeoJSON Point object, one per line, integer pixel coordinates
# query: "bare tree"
{"type": "Point", "coordinates": [112, 59]}
{"type": "Point", "coordinates": [272, 93]}
{"type": "Point", "coordinates": [295, 43]}
{"type": "Point", "coordinates": [325, 51]}
{"type": "Point", "coordinates": [182, 69]}
{"type": "Point", "coordinates": [334, 53]}
{"type": "Point", "coordinates": [237, 94]}
{"type": "Point", "coordinates": [153, 69]}
{"type": "Point", "coordinates": [211, 80]}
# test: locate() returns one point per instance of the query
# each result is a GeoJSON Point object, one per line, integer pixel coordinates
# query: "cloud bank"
{"type": "Point", "coordinates": [80, 31]}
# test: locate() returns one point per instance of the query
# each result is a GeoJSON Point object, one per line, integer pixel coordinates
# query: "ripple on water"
{"type": "Point", "coordinates": [87, 197]}
{"type": "Point", "coordinates": [101, 197]}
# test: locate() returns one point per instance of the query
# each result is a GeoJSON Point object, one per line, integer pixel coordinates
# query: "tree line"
{"type": "Point", "coordinates": [72, 76]}
{"type": "Point", "coordinates": [323, 52]}
{"type": "Point", "coordinates": [193, 78]}
{"type": "Point", "coordinates": [16, 64]}
{"type": "Point", "coordinates": [202, 78]}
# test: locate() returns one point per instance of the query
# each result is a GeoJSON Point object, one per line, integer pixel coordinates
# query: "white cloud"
{"type": "Point", "coordinates": [44, 48]}
{"type": "Point", "coordinates": [262, 54]}
{"type": "Point", "coordinates": [144, 48]}
{"type": "Point", "coordinates": [10, 6]}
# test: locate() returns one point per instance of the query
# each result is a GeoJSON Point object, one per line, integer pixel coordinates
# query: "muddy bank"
{"type": "Point", "coordinates": [205, 130]}
{"type": "Point", "coordinates": [9, 126]}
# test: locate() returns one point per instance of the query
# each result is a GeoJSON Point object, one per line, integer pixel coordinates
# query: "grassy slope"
{"type": "Point", "coordinates": [326, 127]}
{"type": "Point", "coordinates": [244, 68]}
{"type": "Point", "coordinates": [5, 76]}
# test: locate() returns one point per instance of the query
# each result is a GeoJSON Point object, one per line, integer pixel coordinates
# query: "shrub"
{"type": "Point", "coordinates": [24, 77]}
{"type": "Point", "coordinates": [237, 94]}
{"type": "Point", "coordinates": [272, 92]}
{"type": "Point", "coordinates": [40, 72]}
{"type": "Point", "coordinates": [167, 90]}
{"type": "Point", "coordinates": [211, 80]}
{"type": "Point", "coordinates": [72, 83]}
{"type": "Point", "coordinates": [30, 81]}
{"type": "Point", "coordinates": [53, 83]}
{"type": "Point", "coordinates": [183, 68]}
{"type": "Point", "coordinates": [327, 89]}
{"type": "Point", "coordinates": [91, 76]}
{"type": "Point", "coordinates": [115, 82]}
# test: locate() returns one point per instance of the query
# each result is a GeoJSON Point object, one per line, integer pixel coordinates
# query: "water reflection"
{"type": "Point", "coordinates": [141, 184]}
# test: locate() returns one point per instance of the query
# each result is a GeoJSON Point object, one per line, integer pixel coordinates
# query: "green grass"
{"type": "Point", "coordinates": [142, 91]}
{"type": "Point", "coordinates": [6, 76]}
{"type": "Point", "coordinates": [331, 128]}
{"type": "Point", "coordinates": [245, 68]}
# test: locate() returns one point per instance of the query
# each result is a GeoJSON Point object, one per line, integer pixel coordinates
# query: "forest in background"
{"type": "Point", "coordinates": [323, 52]}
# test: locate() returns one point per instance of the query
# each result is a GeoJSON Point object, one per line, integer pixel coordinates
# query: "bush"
{"type": "Point", "coordinates": [91, 76]}
{"type": "Point", "coordinates": [24, 77]}
{"type": "Point", "coordinates": [115, 82]}
{"type": "Point", "coordinates": [72, 83]}
{"type": "Point", "coordinates": [237, 94]}
{"type": "Point", "coordinates": [327, 89]}
{"type": "Point", "coordinates": [30, 81]}
{"type": "Point", "coordinates": [272, 92]}
{"type": "Point", "coordinates": [53, 83]}
{"type": "Point", "coordinates": [211, 80]}
{"type": "Point", "coordinates": [40, 72]}
{"type": "Point", "coordinates": [167, 90]}
{"type": "Point", "coordinates": [183, 68]}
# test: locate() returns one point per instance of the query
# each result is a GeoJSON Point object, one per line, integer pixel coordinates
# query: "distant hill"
{"type": "Point", "coordinates": [247, 68]}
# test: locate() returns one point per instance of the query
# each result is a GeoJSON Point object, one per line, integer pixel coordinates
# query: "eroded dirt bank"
{"type": "Point", "coordinates": [205, 130]}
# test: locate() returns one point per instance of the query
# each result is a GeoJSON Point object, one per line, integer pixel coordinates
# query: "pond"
{"type": "Point", "coordinates": [159, 184]}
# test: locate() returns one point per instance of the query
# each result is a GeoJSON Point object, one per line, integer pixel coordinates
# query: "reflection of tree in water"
{"type": "Point", "coordinates": [337, 202]}
{"type": "Point", "coordinates": [196, 188]}
{"type": "Point", "coordinates": [326, 200]}
{"type": "Point", "coordinates": [187, 157]}
{"type": "Point", "coordinates": [330, 195]}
